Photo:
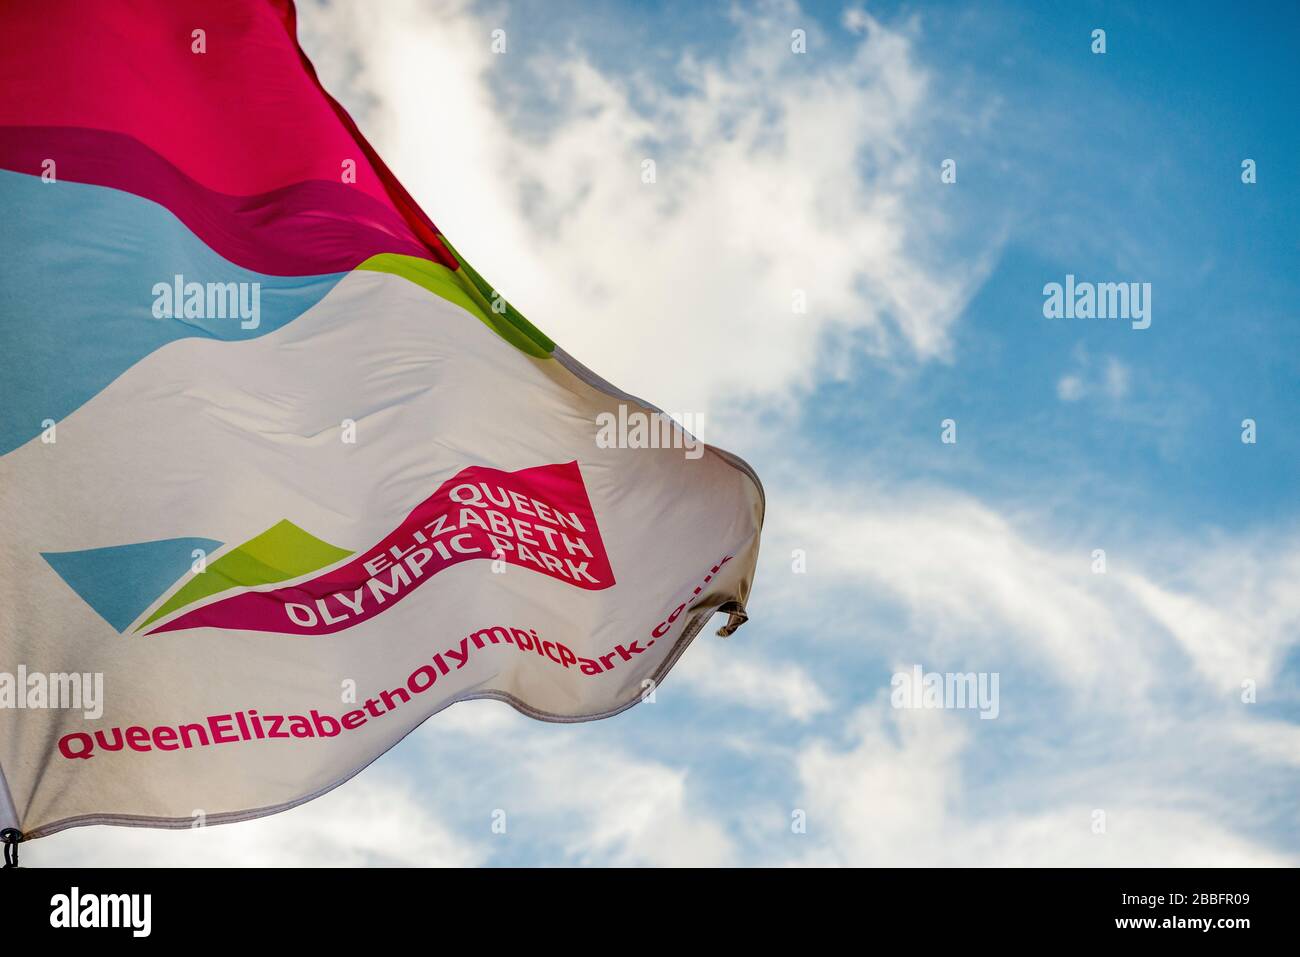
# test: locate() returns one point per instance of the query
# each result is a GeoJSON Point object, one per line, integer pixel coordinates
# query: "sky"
{"type": "Point", "coordinates": [1148, 706]}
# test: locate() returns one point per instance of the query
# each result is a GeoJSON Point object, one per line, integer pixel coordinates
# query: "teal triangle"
{"type": "Point", "coordinates": [122, 581]}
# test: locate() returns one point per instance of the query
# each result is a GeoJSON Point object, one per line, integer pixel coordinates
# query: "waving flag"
{"type": "Point", "coordinates": [280, 474]}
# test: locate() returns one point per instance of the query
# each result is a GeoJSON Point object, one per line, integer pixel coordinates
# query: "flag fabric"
{"type": "Point", "coordinates": [281, 475]}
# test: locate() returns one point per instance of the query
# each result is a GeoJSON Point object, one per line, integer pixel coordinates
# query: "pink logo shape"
{"type": "Point", "coordinates": [538, 518]}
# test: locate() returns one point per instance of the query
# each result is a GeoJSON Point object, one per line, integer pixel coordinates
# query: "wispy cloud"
{"type": "Point", "coordinates": [375, 820]}
{"type": "Point", "coordinates": [777, 177]}
{"type": "Point", "coordinates": [974, 582]}
{"type": "Point", "coordinates": [1108, 379]}
{"type": "Point", "coordinates": [897, 793]}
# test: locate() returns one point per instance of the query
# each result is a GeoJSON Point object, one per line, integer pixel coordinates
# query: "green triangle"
{"type": "Point", "coordinates": [282, 552]}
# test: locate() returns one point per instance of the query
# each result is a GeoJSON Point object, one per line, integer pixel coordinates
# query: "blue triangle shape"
{"type": "Point", "coordinates": [121, 581]}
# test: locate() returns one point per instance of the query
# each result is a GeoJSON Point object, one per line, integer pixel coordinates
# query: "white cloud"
{"type": "Point", "coordinates": [1276, 742]}
{"type": "Point", "coordinates": [1125, 695]}
{"type": "Point", "coordinates": [973, 588]}
{"type": "Point", "coordinates": [734, 674]}
{"type": "Point", "coordinates": [624, 811]}
{"type": "Point", "coordinates": [980, 588]}
{"type": "Point", "coordinates": [1070, 388]}
{"type": "Point", "coordinates": [1236, 609]}
{"type": "Point", "coordinates": [570, 798]}
{"type": "Point", "coordinates": [1108, 379]}
{"type": "Point", "coordinates": [776, 172]}
{"type": "Point", "coordinates": [895, 795]}
{"type": "Point", "coordinates": [375, 819]}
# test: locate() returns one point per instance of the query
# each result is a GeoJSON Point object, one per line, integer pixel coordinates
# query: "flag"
{"type": "Point", "coordinates": [281, 475]}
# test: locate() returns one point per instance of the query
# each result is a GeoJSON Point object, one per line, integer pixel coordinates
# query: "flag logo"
{"type": "Point", "coordinates": [287, 581]}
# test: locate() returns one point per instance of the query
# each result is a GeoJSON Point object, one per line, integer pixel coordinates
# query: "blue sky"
{"type": "Point", "coordinates": [1120, 692]}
